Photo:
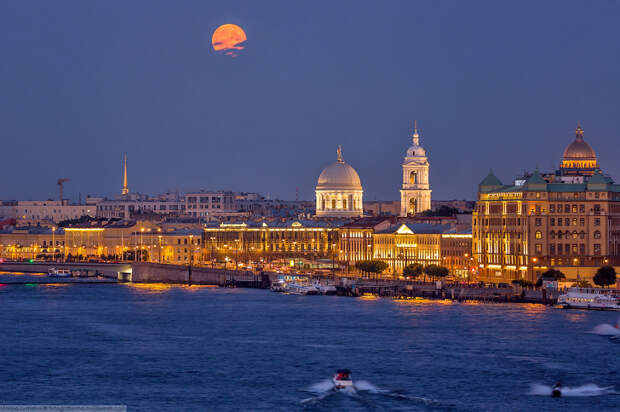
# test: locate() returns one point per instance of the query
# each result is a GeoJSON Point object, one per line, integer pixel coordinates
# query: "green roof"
{"type": "Point", "coordinates": [490, 182]}
{"type": "Point", "coordinates": [536, 182]}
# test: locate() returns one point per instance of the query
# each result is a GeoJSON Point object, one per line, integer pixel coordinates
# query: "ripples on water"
{"type": "Point", "coordinates": [162, 347]}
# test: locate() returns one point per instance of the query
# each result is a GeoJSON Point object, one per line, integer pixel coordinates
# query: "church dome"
{"type": "Point", "coordinates": [579, 149]}
{"type": "Point", "coordinates": [339, 175]}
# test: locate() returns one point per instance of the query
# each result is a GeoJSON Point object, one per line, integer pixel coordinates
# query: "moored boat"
{"type": "Point", "coordinates": [301, 289]}
{"type": "Point", "coordinates": [59, 273]}
{"type": "Point", "coordinates": [590, 298]}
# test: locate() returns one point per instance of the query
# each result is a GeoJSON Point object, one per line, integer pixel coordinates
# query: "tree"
{"type": "Point", "coordinates": [523, 282]}
{"type": "Point", "coordinates": [436, 271]}
{"type": "Point", "coordinates": [414, 270]}
{"type": "Point", "coordinates": [605, 276]}
{"type": "Point", "coordinates": [443, 211]}
{"type": "Point", "coordinates": [371, 266]}
{"type": "Point", "coordinates": [552, 275]}
{"type": "Point", "coordinates": [582, 284]}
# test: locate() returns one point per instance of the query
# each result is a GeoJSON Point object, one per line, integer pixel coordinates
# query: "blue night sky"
{"type": "Point", "coordinates": [492, 84]}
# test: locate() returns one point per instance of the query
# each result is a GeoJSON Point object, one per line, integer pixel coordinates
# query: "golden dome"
{"type": "Point", "coordinates": [579, 149]}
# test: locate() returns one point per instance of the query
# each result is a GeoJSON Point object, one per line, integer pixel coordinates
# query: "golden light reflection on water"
{"type": "Point", "coordinates": [576, 316]}
{"type": "Point", "coordinates": [369, 296]}
{"type": "Point", "coordinates": [23, 273]}
{"type": "Point", "coordinates": [421, 301]}
{"type": "Point", "coordinates": [162, 287]}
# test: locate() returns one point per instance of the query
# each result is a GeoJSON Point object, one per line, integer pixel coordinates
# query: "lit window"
{"type": "Point", "coordinates": [538, 234]}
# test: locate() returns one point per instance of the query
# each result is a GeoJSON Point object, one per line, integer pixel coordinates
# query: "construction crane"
{"type": "Point", "coordinates": [60, 182]}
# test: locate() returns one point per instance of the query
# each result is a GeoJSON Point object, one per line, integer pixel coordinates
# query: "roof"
{"type": "Point", "coordinates": [489, 182]}
{"type": "Point", "coordinates": [579, 149]}
{"type": "Point", "coordinates": [417, 228]}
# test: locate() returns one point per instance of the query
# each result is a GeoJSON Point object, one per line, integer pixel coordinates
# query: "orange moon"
{"type": "Point", "coordinates": [228, 38]}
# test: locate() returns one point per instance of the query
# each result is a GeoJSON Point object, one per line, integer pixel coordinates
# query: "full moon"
{"type": "Point", "coordinates": [228, 39]}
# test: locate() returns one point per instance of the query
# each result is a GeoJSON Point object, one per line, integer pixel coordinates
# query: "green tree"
{"type": "Point", "coordinates": [551, 274]}
{"type": "Point", "coordinates": [371, 266]}
{"type": "Point", "coordinates": [414, 270]}
{"type": "Point", "coordinates": [582, 284]}
{"type": "Point", "coordinates": [605, 276]}
{"type": "Point", "coordinates": [436, 271]}
{"type": "Point", "coordinates": [523, 282]}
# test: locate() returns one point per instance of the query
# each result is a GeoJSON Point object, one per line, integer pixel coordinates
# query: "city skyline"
{"type": "Point", "coordinates": [190, 119]}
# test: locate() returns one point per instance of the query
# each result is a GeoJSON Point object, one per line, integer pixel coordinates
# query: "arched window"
{"type": "Point", "coordinates": [552, 234]}
{"type": "Point", "coordinates": [333, 203]}
{"type": "Point", "coordinates": [538, 234]}
{"type": "Point", "coordinates": [575, 234]}
{"type": "Point", "coordinates": [597, 234]}
{"type": "Point", "coordinates": [413, 205]}
{"type": "Point", "coordinates": [344, 203]}
{"type": "Point", "coordinates": [560, 235]}
{"type": "Point", "coordinates": [413, 178]}
{"type": "Point", "coordinates": [582, 234]}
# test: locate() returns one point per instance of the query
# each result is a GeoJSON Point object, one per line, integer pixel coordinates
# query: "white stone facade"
{"type": "Point", "coordinates": [339, 191]}
{"type": "Point", "coordinates": [415, 195]}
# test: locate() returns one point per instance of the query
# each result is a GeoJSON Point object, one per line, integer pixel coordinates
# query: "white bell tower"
{"type": "Point", "coordinates": [415, 195]}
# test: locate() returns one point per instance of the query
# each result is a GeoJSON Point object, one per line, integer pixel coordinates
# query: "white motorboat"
{"type": "Point", "coordinates": [278, 286]}
{"type": "Point", "coordinates": [301, 289]}
{"type": "Point", "coordinates": [59, 273]}
{"type": "Point", "coordinates": [342, 379]}
{"type": "Point", "coordinates": [590, 298]}
{"type": "Point", "coordinates": [326, 289]}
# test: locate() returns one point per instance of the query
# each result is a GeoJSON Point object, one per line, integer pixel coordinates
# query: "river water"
{"type": "Point", "coordinates": [172, 348]}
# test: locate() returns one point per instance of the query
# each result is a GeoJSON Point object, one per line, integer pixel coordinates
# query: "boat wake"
{"type": "Point", "coordinates": [605, 329]}
{"type": "Point", "coordinates": [326, 388]}
{"type": "Point", "coordinates": [588, 389]}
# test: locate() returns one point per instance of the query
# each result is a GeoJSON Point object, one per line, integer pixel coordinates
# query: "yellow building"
{"type": "Point", "coordinates": [568, 220]}
{"type": "Point", "coordinates": [405, 244]}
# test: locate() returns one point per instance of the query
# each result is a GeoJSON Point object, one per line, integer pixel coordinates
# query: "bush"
{"type": "Point", "coordinates": [414, 270]}
{"type": "Point", "coordinates": [523, 282]}
{"type": "Point", "coordinates": [551, 274]}
{"type": "Point", "coordinates": [605, 276]}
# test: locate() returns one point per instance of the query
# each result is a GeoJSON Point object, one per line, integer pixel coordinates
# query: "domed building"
{"type": "Point", "coordinates": [339, 191]}
{"type": "Point", "coordinates": [579, 158]}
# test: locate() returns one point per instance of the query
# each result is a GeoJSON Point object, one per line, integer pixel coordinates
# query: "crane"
{"type": "Point", "coordinates": [60, 182]}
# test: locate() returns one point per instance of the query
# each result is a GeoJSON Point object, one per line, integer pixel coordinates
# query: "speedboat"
{"type": "Point", "coordinates": [59, 273]}
{"type": "Point", "coordinates": [556, 392]}
{"type": "Point", "coordinates": [342, 379]}
{"type": "Point", "coordinates": [590, 298]}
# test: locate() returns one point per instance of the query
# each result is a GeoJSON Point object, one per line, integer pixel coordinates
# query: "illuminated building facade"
{"type": "Point", "coordinates": [356, 238]}
{"type": "Point", "coordinates": [426, 244]}
{"type": "Point", "coordinates": [415, 194]}
{"type": "Point", "coordinates": [568, 220]}
{"type": "Point", "coordinates": [339, 191]}
{"type": "Point", "coordinates": [266, 242]}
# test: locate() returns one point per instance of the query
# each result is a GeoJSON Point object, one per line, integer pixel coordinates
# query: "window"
{"type": "Point", "coordinates": [574, 208]}
{"type": "Point", "coordinates": [559, 221]}
{"type": "Point", "coordinates": [552, 234]}
{"type": "Point", "coordinates": [567, 208]}
{"type": "Point", "coordinates": [574, 234]}
{"type": "Point", "coordinates": [552, 249]}
{"type": "Point", "coordinates": [582, 249]}
{"type": "Point", "coordinates": [344, 203]}
{"type": "Point", "coordinates": [574, 248]}
{"type": "Point", "coordinates": [597, 249]}
{"type": "Point", "coordinates": [566, 222]}
{"type": "Point", "coordinates": [597, 209]}
{"type": "Point", "coordinates": [552, 221]}
{"type": "Point", "coordinates": [538, 248]}
{"type": "Point", "coordinates": [538, 221]}
{"type": "Point", "coordinates": [582, 221]}
{"type": "Point", "coordinates": [559, 208]}
{"type": "Point", "coordinates": [574, 221]}
{"type": "Point", "coordinates": [538, 234]}
{"type": "Point", "coordinates": [597, 234]}
{"type": "Point", "coordinates": [582, 209]}
{"type": "Point", "coordinates": [567, 249]}
{"type": "Point", "coordinates": [333, 203]}
{"type": "Point", "coordinates": [582, 235]}
{"type": "Point", "coordinates": [560, 235]}
{"type": "Point", "coordinates": [597, 221]}
{"type": "Point", "coordinates": [551, 208]}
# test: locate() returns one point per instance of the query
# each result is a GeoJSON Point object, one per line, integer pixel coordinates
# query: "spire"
{"type": "Point", "coordinates": [416, 136]}
{"type": "Point", "coordinates": [579, 132]}
{"type": "Point", "coordinates": [125, 188]}
{"type": "Point", "coordinates": [340, 154]}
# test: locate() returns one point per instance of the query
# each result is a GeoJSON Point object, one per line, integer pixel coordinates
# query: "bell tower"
{"type": "Point", "coordinates": [415, 194]}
